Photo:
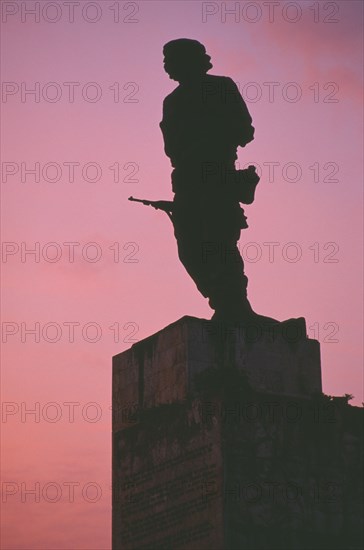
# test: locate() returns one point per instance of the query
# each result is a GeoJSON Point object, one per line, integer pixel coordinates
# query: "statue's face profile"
{"type": "Point", "coordinates": [170, 68]}
{"type": "Point", "coordinates": [185, 60]}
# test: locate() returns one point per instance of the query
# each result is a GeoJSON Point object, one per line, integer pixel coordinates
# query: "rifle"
{"type": "Point", "coordinates": [166, 206]}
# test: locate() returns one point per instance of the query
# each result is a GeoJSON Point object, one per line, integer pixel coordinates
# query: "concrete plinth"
{"type": "Point", "coordinates": [222, 440]}
{"type": "Point", "coordinates": [160, 369]}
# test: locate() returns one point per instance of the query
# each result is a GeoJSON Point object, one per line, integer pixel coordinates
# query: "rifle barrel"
{"type": "Point", "coordinates": [139, 200]}
{"type": "Point", "coordinates": [165, 206]}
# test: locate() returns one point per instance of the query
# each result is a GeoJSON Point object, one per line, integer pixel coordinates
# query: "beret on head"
{"type": "Point", "coordinates": [187, 52]}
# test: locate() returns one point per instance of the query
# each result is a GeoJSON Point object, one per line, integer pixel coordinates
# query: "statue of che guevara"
{"type": "Point", "coordinates": [205, 120]}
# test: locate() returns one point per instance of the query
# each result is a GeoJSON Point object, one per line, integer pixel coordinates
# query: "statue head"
{"type": "Point", "coordinates": [185, 59]}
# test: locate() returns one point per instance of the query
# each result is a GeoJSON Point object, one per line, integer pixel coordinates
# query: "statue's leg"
{"type": "Point", "coordinates": [228, 293]}
{"type": "Point", "coordinates": [207, 238]}
{"type": "Point", "coordinates": [188, 230]}
{"type": "Point", "coordinates": [227, 285]}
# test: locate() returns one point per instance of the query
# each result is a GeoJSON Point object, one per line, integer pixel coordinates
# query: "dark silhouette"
{"type": "Point", "coordinates": [205, 119]}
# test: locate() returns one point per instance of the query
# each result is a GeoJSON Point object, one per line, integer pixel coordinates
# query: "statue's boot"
{"type": "Point", "coordinates": [240, 311]}
{"type": "Point", "coordinates": [253, 320]}
{"type": "Point", "coordinates": [292, 330]}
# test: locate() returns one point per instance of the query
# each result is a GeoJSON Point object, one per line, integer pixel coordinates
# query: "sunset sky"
{"type": "Point", "coordinates": [92, 125]}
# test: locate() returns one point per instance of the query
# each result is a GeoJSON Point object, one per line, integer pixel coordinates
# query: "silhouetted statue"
{"type": "Point", "coordinates": [205, 119]}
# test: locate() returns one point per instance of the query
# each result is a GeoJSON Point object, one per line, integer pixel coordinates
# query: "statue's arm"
{"type": "Point", "coordinates": [238, 113]}
{"type": "Point", "coordinates": [170, 126]}
{"type": "Point", "coordinates": [164, 127]}
{"type": "Point", "coordinates": [179, 140]}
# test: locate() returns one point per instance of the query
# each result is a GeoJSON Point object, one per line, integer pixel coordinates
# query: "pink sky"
{"type": "Point", "coordinates": [322, 218]}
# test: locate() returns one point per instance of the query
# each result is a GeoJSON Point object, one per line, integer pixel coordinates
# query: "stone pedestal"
{"type": "Point", "coordinates": [222, 440]}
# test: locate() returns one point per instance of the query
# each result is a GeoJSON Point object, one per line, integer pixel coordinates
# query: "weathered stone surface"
{"type": "Point", "coordinates": [160, 369]}
{"type": "Point", "coordinates": [164, 469]}
{"type": "Point", "coordinates": [211, 452]}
